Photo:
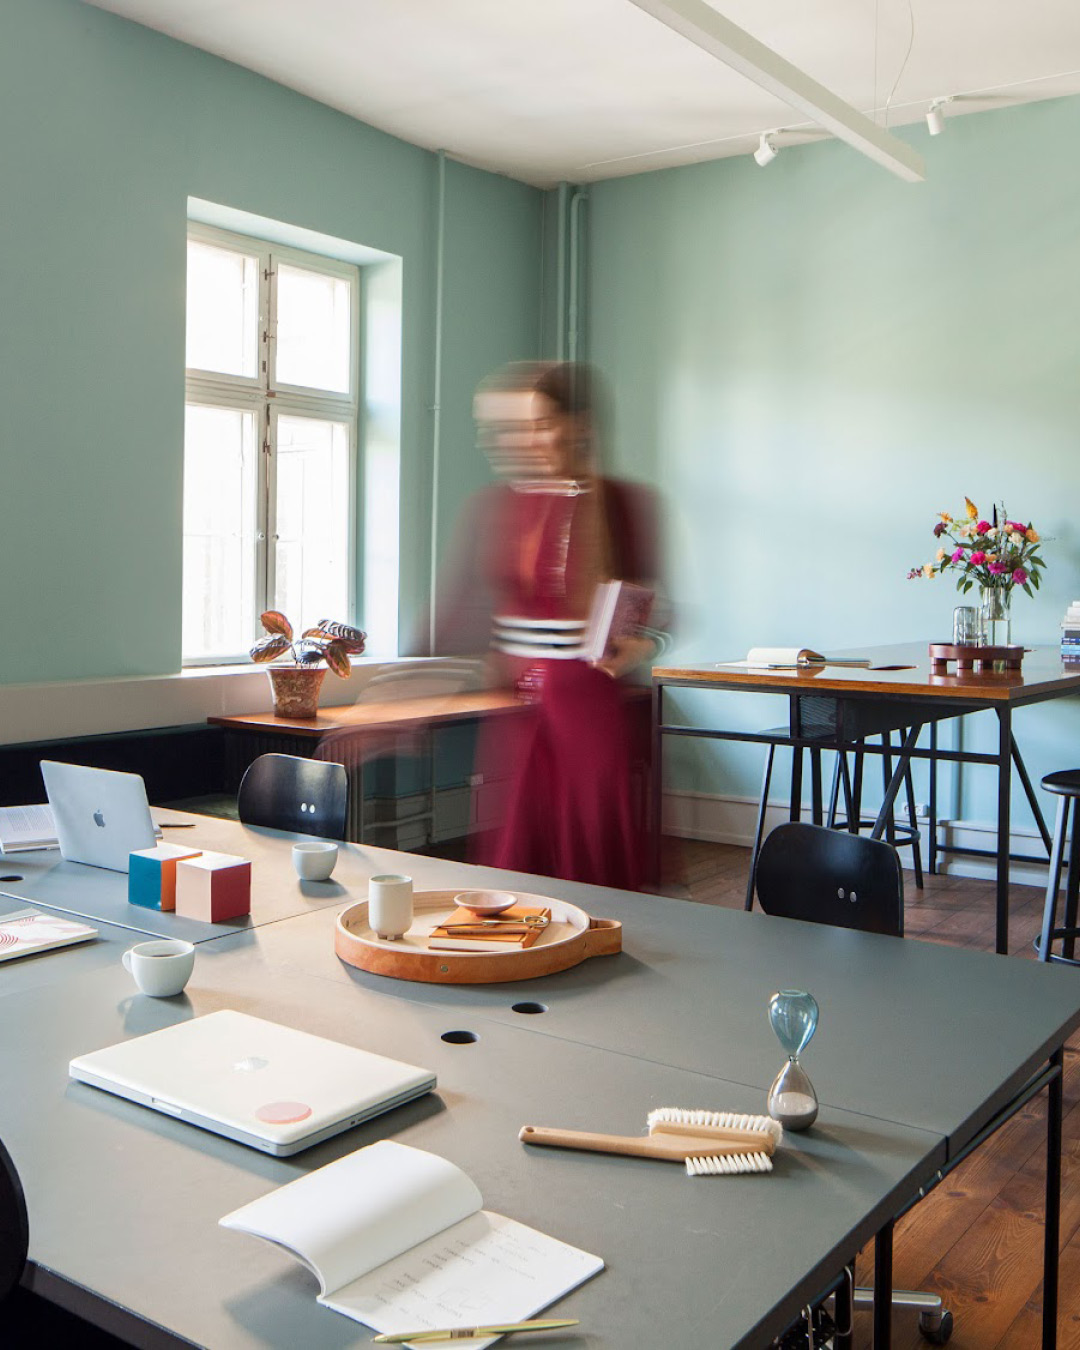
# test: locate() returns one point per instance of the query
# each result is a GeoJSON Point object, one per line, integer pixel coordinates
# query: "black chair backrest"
{"type": "Point", "coordinates": [14, 1230]}
{"type": "Point", "coordinates": [830, 876]}
{"type": "Point", "coordinates": [288, 792]}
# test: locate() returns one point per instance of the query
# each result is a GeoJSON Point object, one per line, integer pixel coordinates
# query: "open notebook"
{"type": "Point", "coordinates": [398, 1240]}
{"type": "Point", "coordinates": [792, 658]}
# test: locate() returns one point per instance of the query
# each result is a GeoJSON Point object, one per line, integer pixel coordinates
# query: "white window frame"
{"type": "Point", "coordinates": [268, 399]}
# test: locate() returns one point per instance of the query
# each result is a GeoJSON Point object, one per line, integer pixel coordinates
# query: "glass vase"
{"type": "Point", "coordinates": [996, 616]}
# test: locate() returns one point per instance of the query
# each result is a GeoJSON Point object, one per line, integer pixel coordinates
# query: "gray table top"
{"type": "Point", "coordinates": [912, 1032]}
{"type": "Point", "coordinates": [918, 1046]}
{"type": "Point", "coordinates": [125, 1202]}
{"type": "Point", "coordinates": [60, 963]}
{"type": "Point", "coordinates": [98, 894]}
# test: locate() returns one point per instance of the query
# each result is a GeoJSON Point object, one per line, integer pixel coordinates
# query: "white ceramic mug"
{"type": "Point", "coordinates": [160, 968]}
{"type": "Point", "coordinates": [390, 906]}
{"type": "Point", "coordinates": [314, 861]}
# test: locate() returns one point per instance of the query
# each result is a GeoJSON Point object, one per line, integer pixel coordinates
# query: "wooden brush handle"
{"type": "Point", "coordinates": [669, 1147]}
{"type": "Point", "coordinates": [749, 1141]}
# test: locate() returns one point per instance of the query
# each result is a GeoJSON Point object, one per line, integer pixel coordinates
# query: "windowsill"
{"type": "Point", "coordinates": [69, 709]}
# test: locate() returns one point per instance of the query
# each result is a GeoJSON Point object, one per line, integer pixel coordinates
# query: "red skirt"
{"type": "Point", "coordinates": [573, 769]}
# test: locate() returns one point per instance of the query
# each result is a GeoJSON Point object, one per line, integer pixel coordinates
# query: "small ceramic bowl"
{"type": "Point", "coordinates": [485, 902]}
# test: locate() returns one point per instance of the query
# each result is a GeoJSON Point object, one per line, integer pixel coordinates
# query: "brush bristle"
{"type": "Point", "coordinates": [735, 1164]}
{"type": "Point", "coordinates": [715, 1120]}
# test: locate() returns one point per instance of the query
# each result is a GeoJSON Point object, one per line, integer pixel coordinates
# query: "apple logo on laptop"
{"type": "Point", "coordinates": [99, 819]}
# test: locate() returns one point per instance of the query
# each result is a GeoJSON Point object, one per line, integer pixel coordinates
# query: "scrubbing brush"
{"type": "Point", "coordinates": [703, 1154]}
{"type": "Point", "coordinates": [723, 1124]}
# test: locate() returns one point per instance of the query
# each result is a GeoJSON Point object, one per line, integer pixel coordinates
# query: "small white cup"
{"type": "Point", "coordinates": [315, 861]}
{"type": "Point", "coordinates": [390, 906]}
{"type": "Point", "coordinates": [160, 968]}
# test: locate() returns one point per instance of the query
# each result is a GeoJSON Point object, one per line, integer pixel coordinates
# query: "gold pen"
{"type": "Point", "coordinates": [467, 1333]}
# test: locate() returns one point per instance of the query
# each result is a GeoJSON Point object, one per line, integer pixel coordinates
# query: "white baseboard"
{"type": "Point", "coordinates": [723, 819]}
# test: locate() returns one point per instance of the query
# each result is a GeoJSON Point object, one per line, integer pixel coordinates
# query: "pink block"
{"type": "Point", "coordinates": [213, 887]}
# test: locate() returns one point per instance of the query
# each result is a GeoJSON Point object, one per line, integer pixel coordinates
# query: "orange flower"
{"type": "Point", "coordinates": [946, 517]}
{"type": "Point", "coordinates": [972, 509]}
{"type": "Point", "coordinates": [928, 569]}
{"type": "Point", "coordinates": [1032, 536]}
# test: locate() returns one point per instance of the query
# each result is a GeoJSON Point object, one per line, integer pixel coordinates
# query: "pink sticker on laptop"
{"type": "Point", "coordinates": [283, 1113]}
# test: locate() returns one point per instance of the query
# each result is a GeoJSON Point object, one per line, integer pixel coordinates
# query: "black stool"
{"type": "Point", "coordinates": [1066, 785]}
{"type": "Point", "coordinates": [896, 832]}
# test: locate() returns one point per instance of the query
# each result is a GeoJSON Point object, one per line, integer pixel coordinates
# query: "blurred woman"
{"type": "Point", "coordinates": [572, 768]}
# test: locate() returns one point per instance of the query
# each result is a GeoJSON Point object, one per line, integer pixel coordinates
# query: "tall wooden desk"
{"type": "Point", "coordinates": [125, 1202]}
{"type": "Point", "coordinates": [831, 708]}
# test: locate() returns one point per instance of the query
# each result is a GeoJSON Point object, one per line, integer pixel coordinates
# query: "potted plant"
{"type": "Point", "coordinates": [296, 685]}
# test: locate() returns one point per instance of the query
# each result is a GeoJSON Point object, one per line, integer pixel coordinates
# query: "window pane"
{"type": "Point", "coordinates": [220, 485]}
{"type": "Point", "coordinates": [222, 310]}
{"type": "Point", "coordinates": [314, 313]}
{"type": "Point", "coordinates": [312, 571]}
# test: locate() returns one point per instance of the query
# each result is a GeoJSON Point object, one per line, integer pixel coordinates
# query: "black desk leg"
{"type": "Point", "coordinates": [1004, 758]}
{"type": "Point", "coordinates": [845, 1310]}
{"type": "Point", "coordinates": [932, 854]}
{"type": "Point", "coordinates": [1052, 1236]}
{"type": "Point", "coordinates": [883, 1288]}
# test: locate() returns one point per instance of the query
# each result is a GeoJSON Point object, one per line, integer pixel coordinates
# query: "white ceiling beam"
{"type": "Point", "coordinates": [718, 36]}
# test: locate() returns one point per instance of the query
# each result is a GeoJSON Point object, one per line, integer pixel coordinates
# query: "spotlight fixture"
{"type": "Point", "coordinates": [766, 151]}
{"type": "Point", "coordinates": [935, 117]}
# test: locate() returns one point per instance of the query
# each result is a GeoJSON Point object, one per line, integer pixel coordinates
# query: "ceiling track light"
{"type": "Point", "coordinates": [935, 116]}
{"type": "Point", "coordinates": [767, 149]}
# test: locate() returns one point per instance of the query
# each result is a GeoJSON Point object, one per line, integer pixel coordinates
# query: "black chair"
{"type": "Point", "coordinates": [847, 881]}
{"type": "Point", "coordinates": [829, 876]}
{"type": "Point", "coordinates": [288, 792]}
{"type": "Point", "coordinates": [1066, 787]}
{"type": "Point", "coordinates": [14, 1228]}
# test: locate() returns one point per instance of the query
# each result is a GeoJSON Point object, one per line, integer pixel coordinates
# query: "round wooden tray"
{"type": "Point", "coordinates": [570, 938]}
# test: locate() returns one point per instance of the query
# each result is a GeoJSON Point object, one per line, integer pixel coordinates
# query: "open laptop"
{"type": "Point", "coordinates": [263, 1084]}
{"type": "Point", "coordinates": [101, 816]}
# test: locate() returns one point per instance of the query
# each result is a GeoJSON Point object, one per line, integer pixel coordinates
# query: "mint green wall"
{"type": "Point", "coordinates": [812, 360]}
{"type": "Point", "coordinates": [109, 128]}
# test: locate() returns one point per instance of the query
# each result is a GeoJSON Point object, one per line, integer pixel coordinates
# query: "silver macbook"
{"type": "Point", "coordinates": [266, 1085]}
{"type": "Point", "coordinates": [101, 816]}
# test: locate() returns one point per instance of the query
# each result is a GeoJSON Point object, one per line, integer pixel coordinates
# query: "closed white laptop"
{"type": "Point", "coordinates": [263, 1084]}
{"type": "Point", "coordinates": [101, 816]}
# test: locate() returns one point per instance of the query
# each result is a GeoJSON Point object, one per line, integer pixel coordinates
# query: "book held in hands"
{"type": "Point", "coordinates": [398, 1239]}
{"type": "Point", "coordinates": [619, 610]}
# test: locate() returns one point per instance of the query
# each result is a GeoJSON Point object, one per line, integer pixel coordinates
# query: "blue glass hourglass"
{"type": "Point", "coordinates": [793, 1015]}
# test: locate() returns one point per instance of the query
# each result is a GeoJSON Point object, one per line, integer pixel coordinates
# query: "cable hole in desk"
{"type": "Point", "coordinates": [528, 1008]}
{"type": "Point", "coordinates": [13, 877]}
{"type": "Point", "coordinates": [459, 1037]}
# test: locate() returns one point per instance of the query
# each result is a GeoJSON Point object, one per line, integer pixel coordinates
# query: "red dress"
{"type": "Point", "coordinates": [574, 764]}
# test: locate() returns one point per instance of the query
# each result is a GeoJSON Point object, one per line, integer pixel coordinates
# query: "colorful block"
{"type": "Point", "coordinates": [152, 875]}
{"type": "Point", "coordinates": [213, 887]}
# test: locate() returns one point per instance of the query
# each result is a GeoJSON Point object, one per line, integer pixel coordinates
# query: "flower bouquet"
{"type": "Point", "coordinates": [996, 554]}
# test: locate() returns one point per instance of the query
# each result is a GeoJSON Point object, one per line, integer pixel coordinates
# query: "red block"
{"type": "Point", "coordinates": [213, 887]}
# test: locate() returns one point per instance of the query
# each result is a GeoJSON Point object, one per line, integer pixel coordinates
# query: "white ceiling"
{"type": "Point", "coordinates": [579, 90]}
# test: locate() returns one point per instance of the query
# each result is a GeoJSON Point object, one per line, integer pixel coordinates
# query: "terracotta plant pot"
{"type": "Point", "coordinates": [296, 689]}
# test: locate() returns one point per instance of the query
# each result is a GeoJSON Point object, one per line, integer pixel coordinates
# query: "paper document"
{"type": "Point", "coordinates": [397, 1240]}
{"type": "Point", "coordinates": [27, 827]}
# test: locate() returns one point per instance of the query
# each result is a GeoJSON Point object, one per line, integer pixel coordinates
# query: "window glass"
{"type": "Point", "coordinates": [312, 519]}
{"type": "Point", "coordinates": [222, 310]}
{"type": "Point", "coordinates": [220, 467]}
{"type": "Point", "coordinates": [314, 317]}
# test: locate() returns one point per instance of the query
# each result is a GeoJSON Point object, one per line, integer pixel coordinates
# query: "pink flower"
{"type": "Point", "coordinates": [1014, 526]}
{"type": "Point", "coordinates": [998, 567]}
{"type": "Point", "coordinates": [983, 526]}
{"type": "Point", "coordinates": [1020, 576]}
{"type": "Point", "coordinates": [977, 558]}
{"type": "Point", "coordinates": [958, 556]}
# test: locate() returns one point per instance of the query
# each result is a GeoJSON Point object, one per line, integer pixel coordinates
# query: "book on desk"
{"type": "Point", "coordinates": [793, 658]}
{"type": "Point", "coordinates": [398, 1240]}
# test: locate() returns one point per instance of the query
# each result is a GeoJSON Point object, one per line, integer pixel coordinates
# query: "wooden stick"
{"type": "Point", "coordinates": [667, 1147]}
{"type": "Point", "coordinates": [749, 1141]}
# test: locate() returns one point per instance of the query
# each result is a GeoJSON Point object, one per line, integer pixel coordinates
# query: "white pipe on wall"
{"type": "Point", "coordinates": [436, 401]}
